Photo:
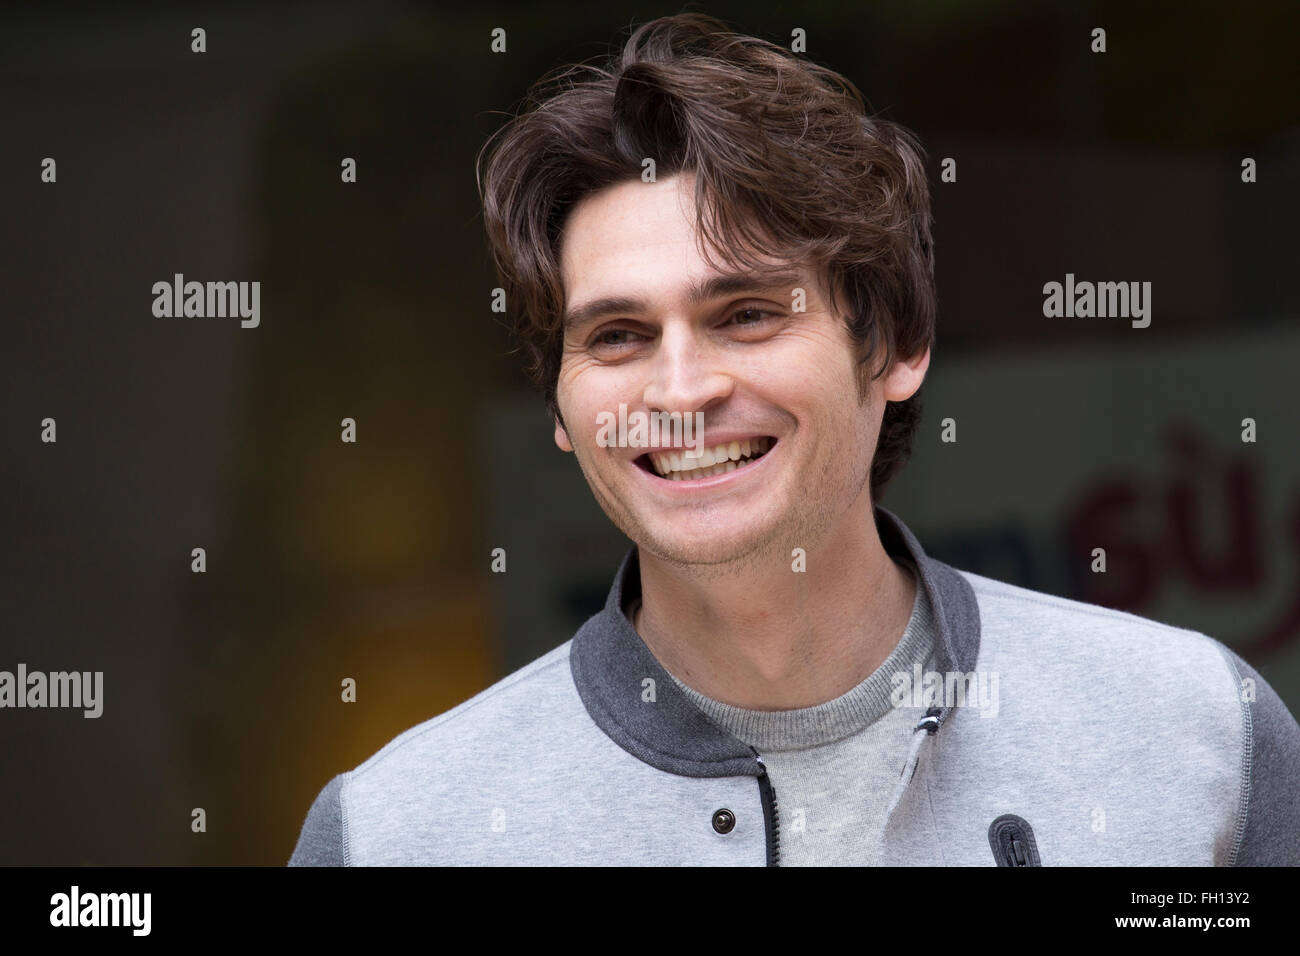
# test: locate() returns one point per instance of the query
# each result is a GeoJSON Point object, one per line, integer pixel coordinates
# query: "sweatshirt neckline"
{"type": "Point", "coordinates": [838, 718]}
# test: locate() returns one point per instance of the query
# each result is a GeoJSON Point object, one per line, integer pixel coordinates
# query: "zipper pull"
{"type": "Point", "coordinates": [930, 722]}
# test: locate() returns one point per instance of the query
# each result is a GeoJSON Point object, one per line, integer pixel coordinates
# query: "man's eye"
{"type": "Point", "coordinates": [602, 337]}
{"type": "Point", "coordinates": [755, 311]}
{"type": "Point", "coordinates": [748, 317]}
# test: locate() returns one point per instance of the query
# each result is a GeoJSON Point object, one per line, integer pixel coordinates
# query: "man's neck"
{"type": "Point", "coordinates": [769, 638]}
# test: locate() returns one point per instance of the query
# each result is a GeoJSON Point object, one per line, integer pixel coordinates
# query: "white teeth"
{"type": "Point", "coordinates": [687, 465]}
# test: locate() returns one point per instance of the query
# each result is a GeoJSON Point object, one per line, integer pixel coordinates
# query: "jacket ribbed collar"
{"type": "Point", "coordinates": [660, 725]}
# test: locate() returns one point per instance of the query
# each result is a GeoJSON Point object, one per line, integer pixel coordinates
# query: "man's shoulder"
{"type": "Point", "coordinates": [1028, 623]}
{"type": "Point", "coordinates": [520, 702]}
{"type": "Point", "coordinates": [1106, 671]}
{"type": "Point", "coordinates": [483, 742]}
{"type": "Point", "coordinates": [1116, 683]}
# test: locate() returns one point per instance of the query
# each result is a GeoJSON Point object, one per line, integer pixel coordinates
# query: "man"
{"type": "Point", "coordinates": [713, 227]}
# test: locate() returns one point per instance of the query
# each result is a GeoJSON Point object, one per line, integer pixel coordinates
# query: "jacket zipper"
{"type": "Point", "coordinates": [771, 816]}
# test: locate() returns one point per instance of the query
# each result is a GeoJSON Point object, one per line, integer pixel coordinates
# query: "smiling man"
{"type": "Point", "coordinates": [711, 226]}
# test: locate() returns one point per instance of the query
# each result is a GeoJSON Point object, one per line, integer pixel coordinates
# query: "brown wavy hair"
{"type": "Point", "coordinates": [772, 138]}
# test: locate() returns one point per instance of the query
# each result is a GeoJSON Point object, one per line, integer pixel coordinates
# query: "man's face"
{"type": "Point", "coordinates": [743, 357]}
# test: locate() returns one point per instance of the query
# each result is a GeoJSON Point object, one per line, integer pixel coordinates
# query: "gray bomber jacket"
{"type": "Point", "coordinates": [1118, 740]}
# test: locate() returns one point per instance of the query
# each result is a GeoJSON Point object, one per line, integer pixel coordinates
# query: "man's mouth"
{"type": "Point", "coordinates": [677, 465]}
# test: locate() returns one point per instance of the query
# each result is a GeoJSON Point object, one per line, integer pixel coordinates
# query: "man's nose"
{"type": "Point", "coordinates": [687, 374]}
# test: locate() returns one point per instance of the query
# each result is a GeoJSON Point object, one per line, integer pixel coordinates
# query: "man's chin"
{"type": "Point", "coordinates": [703, 550]}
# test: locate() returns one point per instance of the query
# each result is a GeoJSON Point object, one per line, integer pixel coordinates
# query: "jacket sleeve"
{"type": "Point", "coordinates": [321, 841]}
{"type": "Point", "coordinates": [1271, 836]}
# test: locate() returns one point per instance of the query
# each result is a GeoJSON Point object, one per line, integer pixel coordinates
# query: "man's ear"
{"type": "Point", "coordinates": [561, 436]}
{"type": "Point", "coordinates": [906, 377]}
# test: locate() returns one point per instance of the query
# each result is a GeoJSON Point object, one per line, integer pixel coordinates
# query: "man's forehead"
{"type": "Point", "coordinates": [627, 220]}
{"type": "Point", "coordinates": [645, 245]}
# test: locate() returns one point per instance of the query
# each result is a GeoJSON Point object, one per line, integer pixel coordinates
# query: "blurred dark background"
{"type": "Point", "coordinates": [328, 560]}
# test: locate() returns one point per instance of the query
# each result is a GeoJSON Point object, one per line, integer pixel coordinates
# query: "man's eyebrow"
{"type": "Point", "coordinates": [714, 287]}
